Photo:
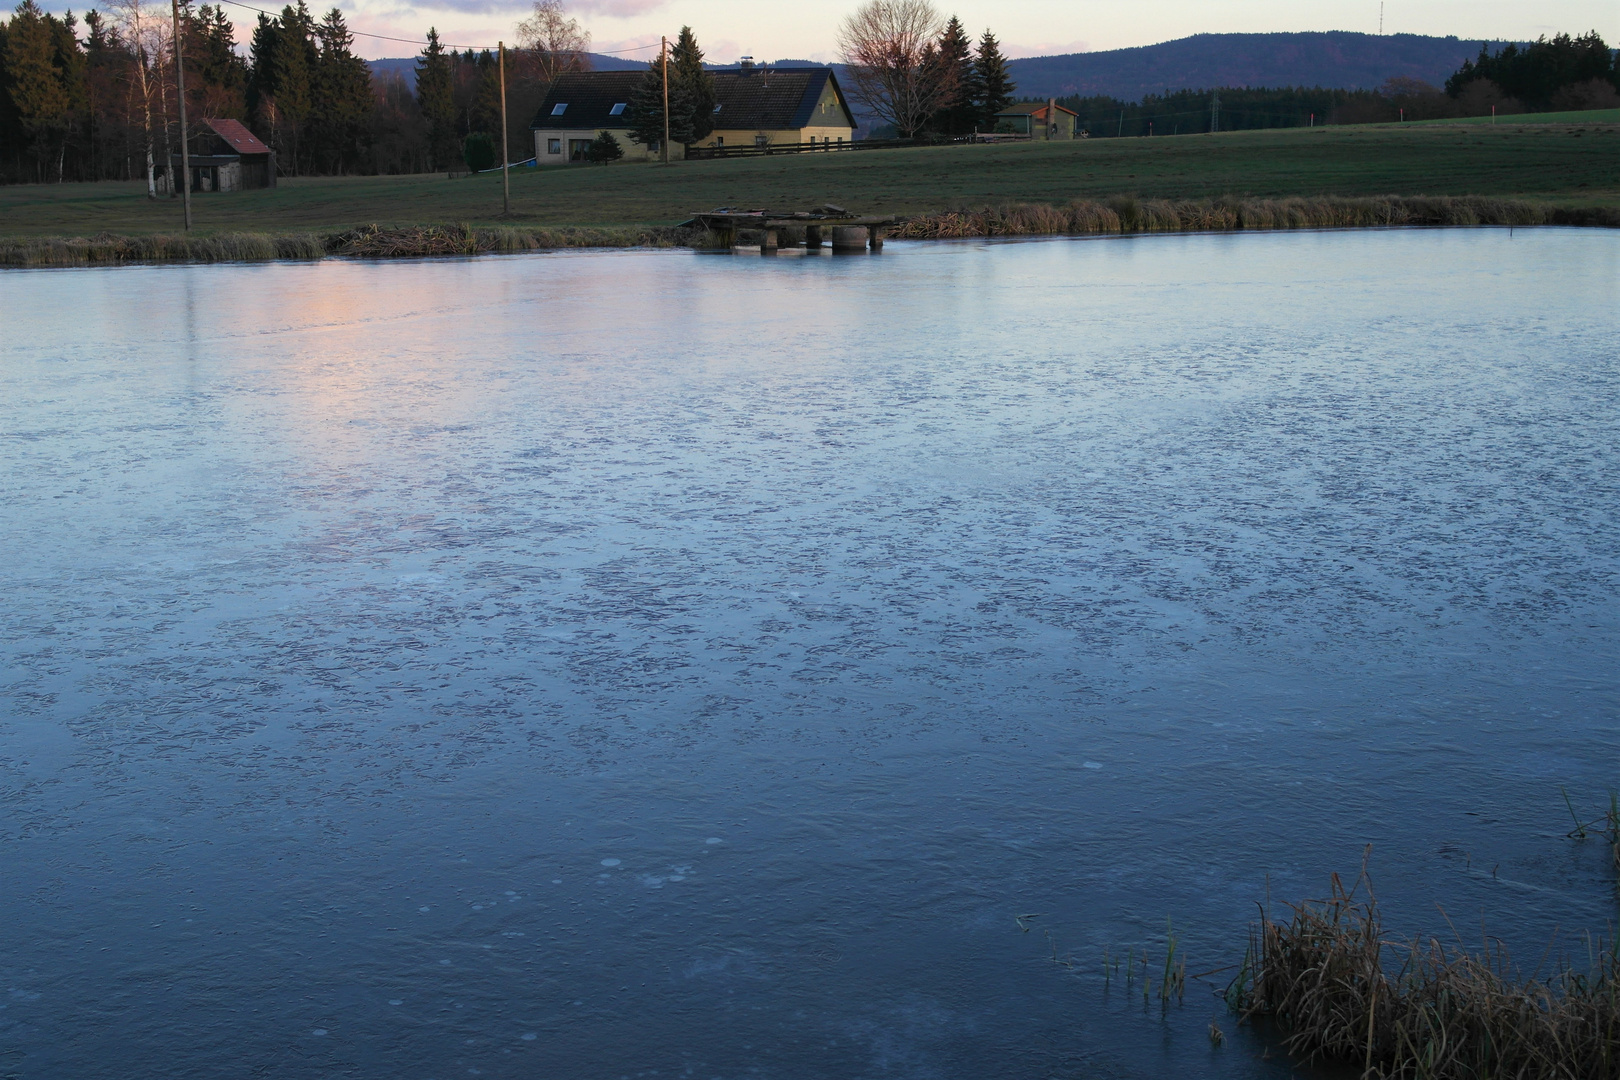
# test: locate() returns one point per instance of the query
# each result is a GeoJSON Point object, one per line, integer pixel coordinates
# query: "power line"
{"type": "Point", "coordinates": [423, 41]}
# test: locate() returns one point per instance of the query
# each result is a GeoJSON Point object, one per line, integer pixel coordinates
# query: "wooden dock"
{"type": "Point", "coordinates": [846, 231]}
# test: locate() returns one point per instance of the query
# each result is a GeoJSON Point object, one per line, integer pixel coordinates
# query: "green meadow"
{"type": "Point", "coordinates": [1569, 160]}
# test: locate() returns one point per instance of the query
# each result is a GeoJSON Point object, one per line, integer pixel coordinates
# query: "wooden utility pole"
{"type": "Point", "coordinates": [185, 150]}
{"type": "Point", "coordinates": [663, 62]}
{"type": "Point", "coordinates": [506, 158]}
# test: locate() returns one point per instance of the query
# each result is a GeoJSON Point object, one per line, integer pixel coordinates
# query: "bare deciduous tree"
{"type": "Point", "coordinates": [553, 43]}
{"type": "Point", "coordinates": [894, 62]}
{"type": "Point", "coordinates": [146, 28]}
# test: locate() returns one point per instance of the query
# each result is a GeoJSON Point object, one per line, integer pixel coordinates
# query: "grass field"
{"type": "Point", "coordinates": [1561, 163]}
{"type": "Point", "coordinates": [1592, 116]}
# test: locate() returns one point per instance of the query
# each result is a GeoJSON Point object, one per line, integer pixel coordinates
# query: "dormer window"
{"type": "Point", "coordinates": [618, 109]}
{"type": "Point", "coordinates": [717, 110]}
{"type": "Point", "coordinates": [558, 110]}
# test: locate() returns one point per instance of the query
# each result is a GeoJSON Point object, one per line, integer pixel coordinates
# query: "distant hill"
{"type": "Point", "coordinates": [1336, 59]}
{"type": "Point", "coordinates": [406, 65]}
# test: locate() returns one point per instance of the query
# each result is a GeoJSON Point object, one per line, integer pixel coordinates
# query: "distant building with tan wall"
{"type": "Point", "coordinates": [1040, 120]}
{"type": "Point", "coordinates": [756, 106]}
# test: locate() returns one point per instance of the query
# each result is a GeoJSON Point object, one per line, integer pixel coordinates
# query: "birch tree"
{"type": "Point", "coordinates": [145, 31]}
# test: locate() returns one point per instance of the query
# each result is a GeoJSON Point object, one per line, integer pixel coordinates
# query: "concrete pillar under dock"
{"type": "Point", "coordinates": [849, 238]}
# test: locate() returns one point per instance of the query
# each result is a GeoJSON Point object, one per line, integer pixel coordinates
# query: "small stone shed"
{"type": "Point", "coordinates": [226, 156]}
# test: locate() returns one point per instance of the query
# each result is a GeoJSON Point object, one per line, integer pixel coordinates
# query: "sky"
{"type": "Point", "coordinates": [807, 29]}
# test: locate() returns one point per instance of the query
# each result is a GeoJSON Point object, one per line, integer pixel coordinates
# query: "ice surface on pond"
{"type": "Point", "coordinates": [857, 606]}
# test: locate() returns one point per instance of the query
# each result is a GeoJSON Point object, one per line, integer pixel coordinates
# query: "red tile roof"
{"type": "Point", "coordinates": [240, 138]}
{"type": "Point", "coordinates": [1037, 109]}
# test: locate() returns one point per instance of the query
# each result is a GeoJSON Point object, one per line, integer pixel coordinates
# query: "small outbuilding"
{"type": "Point", "coordinates": [226, 156]}
{"type": "Point", "coordinates": [1039, 120]}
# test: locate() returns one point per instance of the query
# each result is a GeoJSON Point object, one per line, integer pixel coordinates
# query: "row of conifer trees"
{"type": "Point", "coordinates": [97, 99]}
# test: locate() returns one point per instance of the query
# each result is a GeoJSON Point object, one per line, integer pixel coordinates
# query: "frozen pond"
{"type": "Point", "coordinates": [661, 664]}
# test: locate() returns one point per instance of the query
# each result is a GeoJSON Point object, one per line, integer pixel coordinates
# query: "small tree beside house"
{"type": "Point", "coordinates": [605, 148]}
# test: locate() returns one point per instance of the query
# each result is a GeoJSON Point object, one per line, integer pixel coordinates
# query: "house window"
{"type": "Point", "coordinates": [618, 108]}
{"type": "Point", "coordinates": [578, 149]}
{"type": "Point", "coordinates": [719, 140]}
{"type": "Point", "coordinates": [761, 140]}
{"type": "Point", "coordinates": [553, 146]}
{"type": "Point", "coordinates": [559, 109]}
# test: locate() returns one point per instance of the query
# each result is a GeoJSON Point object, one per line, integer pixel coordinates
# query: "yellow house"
{"type": "Point", "coordinates": [762, 106]}
{"type": "Point", "coordinates": [580, 104]}
{"type": "Point", "coordinates": [756, 106]}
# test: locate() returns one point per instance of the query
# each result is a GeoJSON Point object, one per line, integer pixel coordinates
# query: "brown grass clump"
{"type": "Point", "coordinates": [1128, 214]}
{"type": "Point", "coordinates": [1443, 1015]}
{"type": "Point", "coordinates": [373, 241]}
{"type": "Point", "coordinates": [377, 242]}
{"type": "Point", "coordinates": [108, 248]}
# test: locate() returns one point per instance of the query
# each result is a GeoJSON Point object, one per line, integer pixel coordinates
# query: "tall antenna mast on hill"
{"type": "Point", "coordinates": [1380, 18]}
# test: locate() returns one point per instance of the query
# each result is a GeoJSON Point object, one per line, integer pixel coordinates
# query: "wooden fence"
{"type": "Point", "coordinates": [698, 153]}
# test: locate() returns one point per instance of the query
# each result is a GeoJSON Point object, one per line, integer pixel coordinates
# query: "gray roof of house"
{"type": "Point", "coordinates": [773, 99]}
{"type": "Point", "coordinates": [589, 97]}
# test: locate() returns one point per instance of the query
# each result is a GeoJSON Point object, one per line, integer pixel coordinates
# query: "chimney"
{"type": "Point", "coordinates": [746, 64]}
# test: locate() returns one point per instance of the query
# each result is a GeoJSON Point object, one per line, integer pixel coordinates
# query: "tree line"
{"type": "Point", "coordinates": [1564, 73]}
{"type": "Point", "coordinates": [97, 100]}
{"type": "Point", "coordinates": [919, 73]}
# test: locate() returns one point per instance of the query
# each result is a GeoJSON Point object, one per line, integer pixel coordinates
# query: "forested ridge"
{"type": "Point", "coordinates": [1563, 73]}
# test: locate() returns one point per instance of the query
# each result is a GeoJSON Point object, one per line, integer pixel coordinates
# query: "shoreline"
{"type": "Point", "coordinates": [1120, 215]}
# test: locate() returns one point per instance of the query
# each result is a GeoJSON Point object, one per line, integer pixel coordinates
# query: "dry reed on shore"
{"type": "Point", "coordinates": [370, 242]}
{"type": "Point", "coordinates": [1128, 214]}
{"type": "Point", "coordinates": [1444, 1015]}
{"type": "Point", "coordinates": [428, 240]}
{"type": "Point", "coordinates": [106, 248]}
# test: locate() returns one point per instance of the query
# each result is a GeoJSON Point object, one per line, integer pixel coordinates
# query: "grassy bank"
{"type": "Point", "coordinates": [1119, 215]}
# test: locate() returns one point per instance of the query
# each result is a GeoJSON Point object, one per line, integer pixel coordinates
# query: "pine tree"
{"type": "Point", "coordinates": [959, 116]}
{"type": "Point", "coordinates": [993, 85]}
{"type": "Point", "coordinates": [293, 77]}
{"type": "Point", "coordinates": [216, 78]}
{"type": "Point", "coordinates": [435, 97]}
{"type": "Point", "coordinates": [343, 99]}
{"type": "Point", "coordinates": [261, 84]}
{"type": "Point", "coordinates": [37, 90]}
{"type": "Point", "coordinates": [72, 72]}
{"type": "Point", "coordinates": [645, 111]}
{"type": "Point", "coordinates": [697, 98]}
{"type": "Point", "coordinates": [604, 148]}
{"type": "Point", "coordinates": [485, 113]}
